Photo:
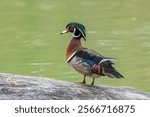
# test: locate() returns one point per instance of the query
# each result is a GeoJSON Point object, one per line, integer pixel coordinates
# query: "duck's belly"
{"type": "Point", "coordinates": [81, 67]}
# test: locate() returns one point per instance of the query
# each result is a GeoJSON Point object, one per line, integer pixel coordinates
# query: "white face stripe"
{"type": "Point", "coordinates": [73, 34]}
{"type": "Point", "coordinates": [81, 32]}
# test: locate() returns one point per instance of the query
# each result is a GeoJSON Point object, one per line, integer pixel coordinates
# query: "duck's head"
{"type": "Point", "coordinates": [77, 30]}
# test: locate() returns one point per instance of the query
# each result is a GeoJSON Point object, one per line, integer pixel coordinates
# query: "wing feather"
{"type": "Point", "coordinates": [91, 57]}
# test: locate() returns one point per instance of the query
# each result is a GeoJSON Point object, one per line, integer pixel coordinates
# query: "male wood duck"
{"type": "Point", "coordinates": [86, 61]}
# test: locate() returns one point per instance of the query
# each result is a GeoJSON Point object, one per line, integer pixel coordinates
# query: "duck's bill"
{"type": "Point", "coordinates": [65, 31]}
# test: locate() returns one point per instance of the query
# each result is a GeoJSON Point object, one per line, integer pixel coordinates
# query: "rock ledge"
{"type": "Point", "coordinates": [18, 87]}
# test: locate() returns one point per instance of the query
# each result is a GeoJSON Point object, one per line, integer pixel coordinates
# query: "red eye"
{"type": "Point", "coordinates": [72, 26]}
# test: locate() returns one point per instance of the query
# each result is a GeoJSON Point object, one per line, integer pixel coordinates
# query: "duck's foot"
{"type": "Point", "coordinates": [93, 81]}
{"type": "Point", "coordinates": [83, 82]}
{"type": "Point", "coordinates": [80, 82]}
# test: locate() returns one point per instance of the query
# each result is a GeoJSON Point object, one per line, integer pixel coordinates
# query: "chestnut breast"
{"type": "Point", "coordinates": [73, 46]}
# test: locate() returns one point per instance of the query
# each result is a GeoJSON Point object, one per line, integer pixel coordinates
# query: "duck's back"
{"type": "Point", "coordinates": [91, 63]}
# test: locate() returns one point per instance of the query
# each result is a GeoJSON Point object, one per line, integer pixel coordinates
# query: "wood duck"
{"type": "Point", "coordinates": [86, 61]}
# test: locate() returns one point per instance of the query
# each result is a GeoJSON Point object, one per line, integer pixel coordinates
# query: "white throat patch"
{"type": "Point", "coordinates": [73, 34]}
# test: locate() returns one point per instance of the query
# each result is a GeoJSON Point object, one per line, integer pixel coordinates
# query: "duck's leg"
{"type": "Point", "coordinates": [84, 80]}
{"type": "Point", "coordinates": [93, 81]}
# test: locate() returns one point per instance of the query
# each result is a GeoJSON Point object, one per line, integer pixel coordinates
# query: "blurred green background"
{"type": "Point", "coordinates": [31, 44]}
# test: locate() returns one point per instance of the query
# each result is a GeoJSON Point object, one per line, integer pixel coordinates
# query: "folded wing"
{"type": "Point", "coordinates": [97, 64]}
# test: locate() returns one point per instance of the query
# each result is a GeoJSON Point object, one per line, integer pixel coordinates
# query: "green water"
{"type": "Point", "coordinates": [30, 43]}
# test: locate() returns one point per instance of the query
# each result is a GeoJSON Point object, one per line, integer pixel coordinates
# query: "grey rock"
{"type": "Point", "coordinates": [17, 87]}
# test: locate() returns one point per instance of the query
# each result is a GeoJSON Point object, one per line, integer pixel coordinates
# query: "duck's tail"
{"type": "Point", "coordinates": [110, 71]}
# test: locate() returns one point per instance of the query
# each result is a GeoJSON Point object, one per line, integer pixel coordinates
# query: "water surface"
{"type": "Point", "coordinates": [30, 43]}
